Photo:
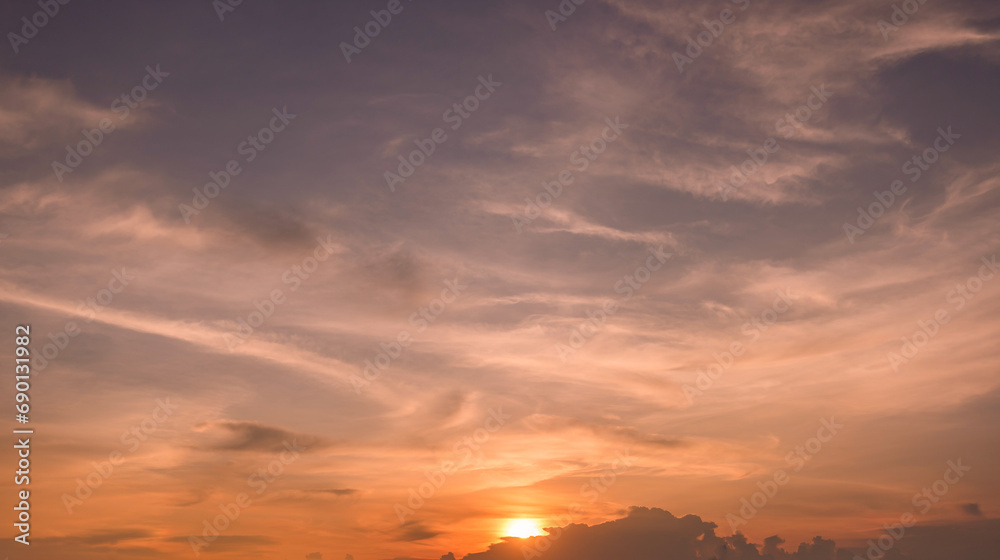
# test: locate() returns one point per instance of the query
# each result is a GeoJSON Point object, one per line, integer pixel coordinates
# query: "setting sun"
{"type": "Point", "coordinates": [523, 528]}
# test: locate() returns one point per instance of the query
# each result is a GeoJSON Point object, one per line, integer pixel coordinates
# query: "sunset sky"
{"type": "Point", "coordinates": [502, 267]}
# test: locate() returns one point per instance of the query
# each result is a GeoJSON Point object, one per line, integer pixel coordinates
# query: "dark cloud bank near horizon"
{"type": "Point", "coordinates": [656, 534]}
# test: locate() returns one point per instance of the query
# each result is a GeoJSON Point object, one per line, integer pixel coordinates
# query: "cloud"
{"type": "Point", "coordinates": [165, 334]}
{"type": "Point", "coordinates": [655, 534]}
{"type": "Point", "coordinates": [339, 491]}
{"type": "Point", "coordinates": [647, 534]}
{"type": "Point", "coordinates": [976, 540]}
{"type": "Point", "coordinates": [230, 542]}
{"type": "Point", "coordinates": [233, 435]}
{"type": "Point", "coordinates": [102, 537]}
{"type": "Point", "coordinates": [620, 434]}
{"type": "Point", "coordinates": [38, 113]}
{"type": "Point", "coordinates": [972, 509]}
{"type": "Point", "coordinates": [415, 531]}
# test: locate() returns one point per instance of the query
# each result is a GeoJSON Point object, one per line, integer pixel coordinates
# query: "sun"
{"type": "Point", "coordinates": [523, 528]}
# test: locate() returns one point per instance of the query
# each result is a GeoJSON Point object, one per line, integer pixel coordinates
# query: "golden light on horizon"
{"type": "Point", "coordinates": [523, 528]}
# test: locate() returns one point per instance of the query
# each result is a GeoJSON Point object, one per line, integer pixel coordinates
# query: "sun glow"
{"type": "Point", "coordinates": [523, 528]}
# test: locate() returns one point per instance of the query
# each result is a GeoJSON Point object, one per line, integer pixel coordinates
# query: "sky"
{"type": "Point", "coordinates": [407, 279]}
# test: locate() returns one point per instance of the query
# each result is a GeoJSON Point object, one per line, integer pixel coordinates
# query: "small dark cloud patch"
{"type": "Point", "coordinates": [972, 509]}
{"type": "Point", "coordinates": [232, 435]}
{"type": "Point", "coordinates": [339, 491]}
{"type": "Point", "coordinates": [416, 531]}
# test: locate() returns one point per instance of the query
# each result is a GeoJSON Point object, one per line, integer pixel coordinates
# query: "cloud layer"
{"type": "Point", "coordinates": [543, 345]}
